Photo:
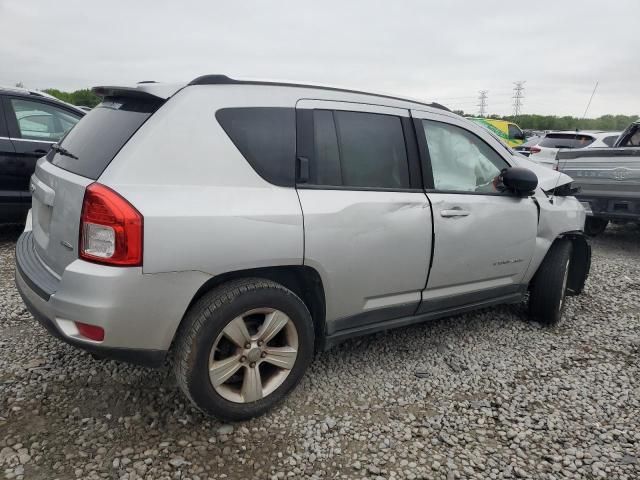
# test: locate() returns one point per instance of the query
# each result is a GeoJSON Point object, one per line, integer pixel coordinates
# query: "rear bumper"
{"type": "Point", "coordinates": [139, 313]}
{"type": "Point", "coordinates": [41, 312]}
{"type": "Point", "coordinates": [613, 208]}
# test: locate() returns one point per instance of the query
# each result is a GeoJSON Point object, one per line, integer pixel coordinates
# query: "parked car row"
{"type": "Point", "coordinates": [545, 150]}
{"type": "Point", "coordinates": [608, 178]}
{"type": "Point", "coordinates": [242, 225]}
{"type": "Point", "coordinates": [30, 122]}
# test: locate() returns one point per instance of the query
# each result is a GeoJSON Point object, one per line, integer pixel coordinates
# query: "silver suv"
{"type": "Point", "coordinates": [237, 227]}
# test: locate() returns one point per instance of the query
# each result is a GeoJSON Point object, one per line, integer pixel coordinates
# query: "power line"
{"type": "Point", "coordinates": [518, 97]}
{"type": "Point", "coordinates": [482, 98]}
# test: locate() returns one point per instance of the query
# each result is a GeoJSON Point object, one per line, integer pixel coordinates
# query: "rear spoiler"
{"type": "Point", "coordinates": [144, 90]}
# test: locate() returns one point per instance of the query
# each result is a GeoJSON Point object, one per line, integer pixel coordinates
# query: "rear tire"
{"type": "Point", "coordinates": [549, 285]}
{"type": "Point", "coordinates": [595, 226]}
{"type": "Point", "coordinates": [243, 347]}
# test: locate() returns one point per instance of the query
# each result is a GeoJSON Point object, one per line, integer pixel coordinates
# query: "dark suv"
{"type": "Point", "coordinates": [30, 122]}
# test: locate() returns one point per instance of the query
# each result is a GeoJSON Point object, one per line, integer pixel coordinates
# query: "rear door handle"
{"type": "Point", "coordinates": [302, 172]}
{"type": "Point", "coordinates": [455, 212]}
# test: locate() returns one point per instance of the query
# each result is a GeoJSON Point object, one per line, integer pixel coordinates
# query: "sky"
{"type": "Point", "coordinates": [444, 51]}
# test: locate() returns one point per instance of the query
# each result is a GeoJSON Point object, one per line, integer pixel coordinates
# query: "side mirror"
{"type": "Point", "coordinates": [520, 181]}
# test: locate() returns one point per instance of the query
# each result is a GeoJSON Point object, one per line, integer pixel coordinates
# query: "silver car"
{"type": "Point", "coordinates": [237, 227]}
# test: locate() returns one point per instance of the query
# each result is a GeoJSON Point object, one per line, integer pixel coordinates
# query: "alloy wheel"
{"type": "Point", "coordinates": [253, 355]}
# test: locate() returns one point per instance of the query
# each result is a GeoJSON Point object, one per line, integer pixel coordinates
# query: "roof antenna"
{"type": "Point", "coordinates": [589, 104]}
{"type": "Point", "coordinates": [575, 138]}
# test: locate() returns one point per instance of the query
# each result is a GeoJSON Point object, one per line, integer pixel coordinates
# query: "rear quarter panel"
{"type": "Point", "coordinates": [204, 207]}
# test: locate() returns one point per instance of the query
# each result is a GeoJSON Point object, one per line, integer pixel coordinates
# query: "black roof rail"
{"type": "Point", "coordinates": [218, 79]}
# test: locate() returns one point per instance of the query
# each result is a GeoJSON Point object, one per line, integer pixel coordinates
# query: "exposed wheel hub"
{"type": "Point", "coordinates": [254, 354]}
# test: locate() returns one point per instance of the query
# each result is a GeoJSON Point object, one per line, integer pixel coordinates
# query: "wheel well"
{"type": "Point", "coordinates": [580, 263]}
{"type": "Point", "coordinates": [302, 280]}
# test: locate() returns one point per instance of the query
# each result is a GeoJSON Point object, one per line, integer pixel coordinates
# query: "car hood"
{"type": "Point", "coordinates": [548, 179]}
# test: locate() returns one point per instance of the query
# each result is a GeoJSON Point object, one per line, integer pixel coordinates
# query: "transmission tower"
{"type": "Point", "coordinates": [482, 98]}
{"type": "Point", "coordinates": [518, 97]}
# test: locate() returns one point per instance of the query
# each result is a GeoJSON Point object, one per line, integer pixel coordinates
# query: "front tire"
{"type": "Point", "coordinates": [549, 285]}
{"type": "Point", "coordinates": [243, 347]}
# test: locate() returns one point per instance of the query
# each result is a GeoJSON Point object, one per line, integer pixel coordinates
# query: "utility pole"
{"type": "Point", "coordinates": [482, 98]}
{"type": "Point", "coordinates": [518, 97]}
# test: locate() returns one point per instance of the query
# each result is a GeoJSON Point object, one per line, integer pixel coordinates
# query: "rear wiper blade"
{"type": "Point", "coordinates": [63, 151]}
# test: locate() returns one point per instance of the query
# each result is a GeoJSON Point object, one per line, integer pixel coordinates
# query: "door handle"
{"type": "Point", "coordinates": [302, 169]}
{"type": "Point", "coordinates": [40, 151]}
{"type": "Point", "coordinates": [454, 212]}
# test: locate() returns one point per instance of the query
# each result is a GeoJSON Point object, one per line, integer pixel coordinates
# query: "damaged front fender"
{"type": "Point", "coordinates": [580, 263]}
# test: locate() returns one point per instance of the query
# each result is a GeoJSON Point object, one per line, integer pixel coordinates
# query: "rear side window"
{"type": "Point", "coordinates": [610, 140]}
{"type": "Point", "coordinates": [41, 121]}
{"type": "Point", "coordinates": [101, 134]}
{"type": "Point", "coordinates": [566, 140]}
{"type": "Point", "coordinates": [266, 137]}
{"type": "Point", "coordinates": [354, 149]}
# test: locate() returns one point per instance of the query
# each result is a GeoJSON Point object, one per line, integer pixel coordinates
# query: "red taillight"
{"type": "Point", "coordinates": [535, 150]}
{"type": "Point", "coordinates": [110, 228]}
{"type": "Point", "coordinates": [91, 332]}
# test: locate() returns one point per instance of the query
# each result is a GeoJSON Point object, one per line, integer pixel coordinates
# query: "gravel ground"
{"type": "Point", "coordinates": [483, 395]}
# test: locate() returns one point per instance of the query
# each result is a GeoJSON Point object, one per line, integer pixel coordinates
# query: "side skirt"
{"type": "Point", "coordinates": [342, 335]}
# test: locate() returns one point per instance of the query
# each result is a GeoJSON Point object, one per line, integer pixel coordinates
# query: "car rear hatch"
{"type": "Point", "coordinates": [61, 177]}
{"type": "Point", "coordinates": [552, 142]}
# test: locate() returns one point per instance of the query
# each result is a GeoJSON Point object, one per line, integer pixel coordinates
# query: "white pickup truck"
{"type": "Point", "coordinates": [609, 179]}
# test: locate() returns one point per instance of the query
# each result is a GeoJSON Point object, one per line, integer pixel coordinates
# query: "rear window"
{"type": "Point", "coordinates": [100, 135]}
{"type": "Point", "coordinates": [266, 137]}
{"type": "Point", "coordinates": [566, 140]}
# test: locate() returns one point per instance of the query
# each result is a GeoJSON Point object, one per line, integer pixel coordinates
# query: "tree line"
{"type": "Point", "coordinates": [553, 122]}
{"type": "Point", "coordinates": [83, 97]}
{"type": "Point", "coordinates": [87, 98]}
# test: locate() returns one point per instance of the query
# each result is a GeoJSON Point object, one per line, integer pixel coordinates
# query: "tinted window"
{"type": "Point", "coordinates": [460, 161]}
{"type": "Point", "coordinates": [610, 140]}
{"type": "Point", "coordinates": [266, 137]}
{"type": "Point", "coordinates": [566, 140]}
{"type": "Point", "coordinates": [101, 134]}
{"type": "Point", "coordinates": [355, 149]}
{"type": "Point", "coordinates": [325, 170]}
{"type": "Point", "coordinates": [515, 132]}
{"type": "Point", "coordinates": [633, 140]}
{"type": "Point", "coordinates": [41, 121]}
{"type": "Point", "coordinates": [630, 137]}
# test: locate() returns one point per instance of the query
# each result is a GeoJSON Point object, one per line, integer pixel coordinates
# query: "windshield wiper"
{"type": "Point", "coordinates": [63, 151]}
